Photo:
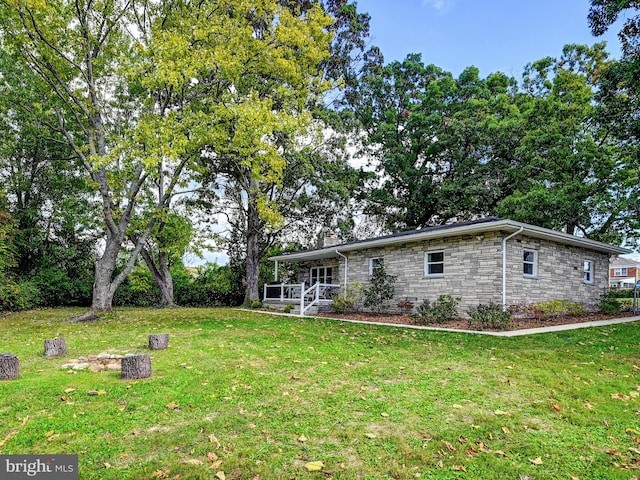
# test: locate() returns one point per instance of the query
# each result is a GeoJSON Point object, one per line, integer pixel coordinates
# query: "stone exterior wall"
{"type": "Point", "coordinates": [473, 270]}
{"type": "Point", "coordinates": [560, 273]}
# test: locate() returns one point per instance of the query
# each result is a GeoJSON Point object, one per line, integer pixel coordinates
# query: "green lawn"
{"type": "Point", "coordinates": [243, 395]}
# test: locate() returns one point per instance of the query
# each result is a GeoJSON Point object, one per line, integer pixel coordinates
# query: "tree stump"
{"type": "Point", "coordinates": [136, 366]}
{"type": "Point", "coordinates": [9, 367]}
{"type": "Point", "coordinates": [158, 341]}
{"type": "Point", "coordinates": [54, 347]}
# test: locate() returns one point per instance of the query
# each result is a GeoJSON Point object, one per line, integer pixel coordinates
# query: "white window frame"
{"type": "Point", "coordinates": [588, 271]}
{"type": "Point", "coordinates": [428, 264]}
{"type": "Point", "coordinates": [373, 261]}
{"type": "Point", "coordinates": [620, 271]}
{"type": "Point", "coordinates": [321, 278]}
{"type": "Point", "coordinates": [533, 263]}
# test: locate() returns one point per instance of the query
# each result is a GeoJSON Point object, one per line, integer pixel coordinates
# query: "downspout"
{"type": "Point", "coordinates": [504, 266]}
{"type": "Point", "coordinates": [346, 271]}
{"type": "Point", "coordinates": [275, 274]}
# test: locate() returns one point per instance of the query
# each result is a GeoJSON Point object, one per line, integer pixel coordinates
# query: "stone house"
{"type": "Point", "coordinates": [488, 260]}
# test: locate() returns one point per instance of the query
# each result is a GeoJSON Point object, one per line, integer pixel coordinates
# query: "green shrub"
{"type": "Point", "coordinates": [287, 308]}
{"type": "Point", "coordinates": [380, 290]}
{"type": "Point", "coordinates": [19, 296]}
{"type": "Point", "coordinates": [349, 301]}
{"type": "Point", "coordinates": [626, 304]}
{"type": "Point", "coordinates": [256, 304]}
{"type": "Point", "coordinates": [558, 307]}
{"type": "Point", "coordinates": [489, 315]}
{"type": "Point", "coordinates": [443, 309]}
{"type": "Point", "coordinates": [609, 304]}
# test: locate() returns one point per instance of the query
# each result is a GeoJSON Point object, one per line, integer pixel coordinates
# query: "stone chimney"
{"type": "Point", "coordinates": [330, 241]}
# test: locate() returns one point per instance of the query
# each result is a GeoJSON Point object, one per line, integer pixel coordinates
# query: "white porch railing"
{"type": "Point", "coordinates": [297, 293]}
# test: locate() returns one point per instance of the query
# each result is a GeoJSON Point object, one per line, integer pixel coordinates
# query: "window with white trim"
{"type": "Point", "coordinates": [434, 264]}
{"type": "Point", "coordinates": [620, 272]}
{"type": "Point", "coordinates": [588, 271]}
{"type": "Point", "coordinates": [375, 263]}
{"type": "Point", "coordinates": [530, 263]}
{"type": "Point", "coordinates": [321, 275]}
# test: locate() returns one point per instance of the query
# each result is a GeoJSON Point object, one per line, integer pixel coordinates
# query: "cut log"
{"type": "Point", "coordinates": [9, 367]}
{"type": "Point", "coordinates": [55, 347]}
{"type": "Point", "coordinates": [136, 366]}
{"type": "Point", "coordinates": [158, 341]}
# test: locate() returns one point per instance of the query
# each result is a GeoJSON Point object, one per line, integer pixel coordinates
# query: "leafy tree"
{"type": "Point", "coordinates": [80, 50]}
{"type": "Point", "coordinates": [266, 206]}
{"type": "Point", "coordinates": [48, 195]}
{"type": "Point", "coordinates": [442, 147]}
{"type": "Point", "coordinates": [618, 108]}
{"type": "Point", "coordinates": [570, 170]}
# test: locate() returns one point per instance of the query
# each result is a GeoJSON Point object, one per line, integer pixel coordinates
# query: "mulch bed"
{"type": "Point", "coordinates": [463, 324]}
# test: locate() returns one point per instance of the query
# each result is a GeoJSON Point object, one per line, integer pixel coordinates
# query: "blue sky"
{"type": "Point", "coordinates": [493, 35]}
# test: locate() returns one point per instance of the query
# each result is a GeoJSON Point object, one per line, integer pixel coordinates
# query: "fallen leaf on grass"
{"type": "Point", "coordinates": [450, 447]}
{"type": "Point", "coordinates": [221, 475]}
{"type": "Point", "coordinates": [302, 438]}
{"type": "Point", "coordinates": [212, 457]}
{"type": "Point", "coordinates": [316, 466]}
{"type": "Point", "coordinates": [172, 406]}
{"type": "Point", "coordinates": [483, 446]}
{"type": "Point", "coordinates": [214, 439]}
{"type": "Point", "coordinates": [215, 465]}
{"type": "Point", "coordinates": [370, 435]}
{"type": "Point", "coordinates": [462, 439]}
{"type": "Point", "coordinates": [459, 468]}
{"type": "Point", "coordinates": [160, 474]}
{"type": "Point", "coordinates": [500, 453]}
{"type": "Point", "coordinates": [500, 412]}
{"type": "Point", "coordinates": [69, 390]}
{"type": "Point", "coordinates": [107, 465]}
{"type": "Point", "coordinates": [192, 461]}
{"type": "Point", "coordinates": [536, 461]}
{"type": "Point", "coordinates": [556, 407]}
{"type": "Point", "coordinates": [506, 430]}
{"type": "Point", "coordinates": [471, 452]}
{"type": "Point", "coordinates": [620, 396]}
{"type": "Point", "coordinates": [384, 415]}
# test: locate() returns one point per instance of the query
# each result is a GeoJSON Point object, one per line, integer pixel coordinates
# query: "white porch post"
{"type": "Point", "coordinates": [275, 274]}
{"type": "Point", "coordinates": [302, 299]}
{"type": "Point", "coordinates": [346, 272]}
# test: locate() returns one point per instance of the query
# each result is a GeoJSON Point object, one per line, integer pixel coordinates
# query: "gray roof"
{"type": "Point", "coordinates": [461, 228]}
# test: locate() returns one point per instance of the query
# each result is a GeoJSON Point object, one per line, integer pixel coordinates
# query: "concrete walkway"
{"type": "Point", "coordinates": [510, 333]}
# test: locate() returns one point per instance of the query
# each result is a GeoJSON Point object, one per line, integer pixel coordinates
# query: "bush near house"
{"type": "Point", "coordinates": [349, 301]}
{"type": "Point", "coordinates": [380, 290]}
{"type": "Point", "coordinates": [445, 308]}
{"type": "Point", "coordinates": [490, 315]}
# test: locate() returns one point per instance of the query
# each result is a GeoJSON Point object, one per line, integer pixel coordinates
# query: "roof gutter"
{"type": "Point", "coordinates": [504, 266]}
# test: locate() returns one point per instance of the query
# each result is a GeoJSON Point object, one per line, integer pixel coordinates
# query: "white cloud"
{"type": "Point", "coordinates": [441, 6]}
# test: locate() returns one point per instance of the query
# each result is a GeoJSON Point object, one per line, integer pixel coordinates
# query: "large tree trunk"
{"type": "Point", "coordinates": [254, 224]}
{"type": "Point", "coordinates": [162, 276]}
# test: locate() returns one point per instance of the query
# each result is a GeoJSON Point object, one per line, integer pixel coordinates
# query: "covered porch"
{"type": "Point", "coordinates": [311, 285]}
{"type": "Point", "coordinates": [301, 295]}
